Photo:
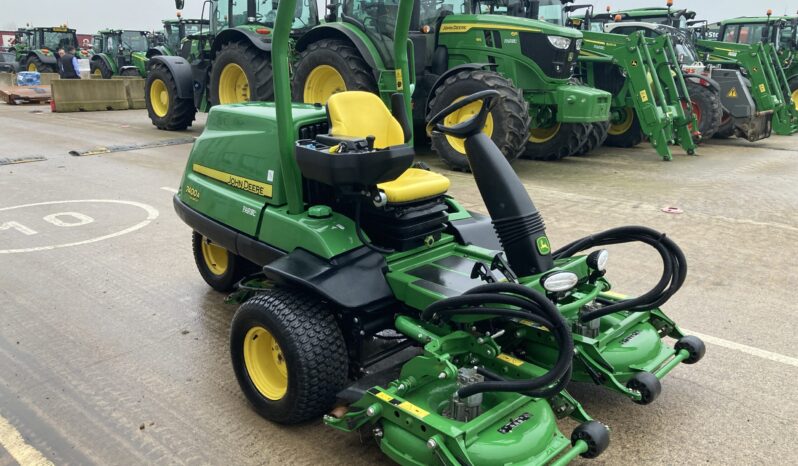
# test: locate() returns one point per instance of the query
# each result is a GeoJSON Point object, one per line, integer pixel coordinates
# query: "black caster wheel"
{"type": "Point", "coordinates": [647, 384]}
{"type": "Point", "coordinates": [595, 434]}
{"type": "Point", "coordinates": [694, 346]}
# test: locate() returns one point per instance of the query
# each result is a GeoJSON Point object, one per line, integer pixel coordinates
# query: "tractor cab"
{"type": "Point", "coordinates": [37, 47]}
{"type": "Point", "coordinates": [177, 30]}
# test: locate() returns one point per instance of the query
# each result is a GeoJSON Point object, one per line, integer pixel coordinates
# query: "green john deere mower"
{"type": "Point", "coordinates": [458, 48]}
{"type": "Point", "coordinates": [120, 53]}
{"type": "Point", "coordinates": [372, 297]}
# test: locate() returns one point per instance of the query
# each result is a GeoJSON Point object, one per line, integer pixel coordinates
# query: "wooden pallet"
{"type": "Point", "coordinates": [25, 95]}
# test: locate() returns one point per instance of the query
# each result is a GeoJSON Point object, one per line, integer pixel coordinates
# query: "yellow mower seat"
{"type": "Point", "coordinates": [360, 114]}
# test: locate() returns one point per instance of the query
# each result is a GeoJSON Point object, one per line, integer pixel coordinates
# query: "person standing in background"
{"type": "Point", "coordinates": [70, 64]}
{"type": "Point", "coordinates": [60, 55]}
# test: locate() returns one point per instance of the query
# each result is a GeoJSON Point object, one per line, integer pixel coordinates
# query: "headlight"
{"type": "Point", "coordinates": [597, 260]}
{"type": "Point", "coordinates": [556, 282]}
{"type": "Point", "coordinates": [578, 44]}
{"type": "Point", "coordinates": [561, 43]}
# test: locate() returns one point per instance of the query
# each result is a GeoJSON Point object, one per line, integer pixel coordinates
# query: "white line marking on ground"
{"type": "Point", "coordinates": [12, 441]}
{"type": "Point", "coordinates": [760, 353]}
{"type": "Point", "coordinates": [152, 214]}
{"type": "Point", "coordinates": [167, 188]}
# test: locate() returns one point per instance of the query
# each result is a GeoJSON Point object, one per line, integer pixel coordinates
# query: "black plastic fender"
{"type": "Point", "coordinates": [181, 71]}
{"type": "Point", "coordinates": [452, 71]}
{"type": "Point", "coordinates": [698, 79]}
{"type": "Point", "coordinates": [262, 42]}
{"type": "Point", "coordinates": [155, 51]}
{"type": "Point", "coordinates": [45, 59]}
{"type": "Point", "coordinates": [337, 31]}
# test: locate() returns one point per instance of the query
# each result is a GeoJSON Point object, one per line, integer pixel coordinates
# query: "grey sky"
{"type": "Point", "coordinates": [87, 16]}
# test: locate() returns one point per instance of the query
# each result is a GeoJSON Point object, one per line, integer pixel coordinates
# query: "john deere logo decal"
{"type": "Point", "coordinates": [543, 245]}
{"type": "Point", "coordinates": [634, 62]}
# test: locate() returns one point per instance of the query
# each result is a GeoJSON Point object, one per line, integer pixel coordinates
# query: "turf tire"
{"type": "Point", "coordinates": [237, 267]}
{"type": "Point", "coordinates": [312, 346]}
{"type": "Point", "coordinates": [181, 112]}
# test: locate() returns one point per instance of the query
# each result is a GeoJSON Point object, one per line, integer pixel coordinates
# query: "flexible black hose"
{"type": "Point", "coordinates": [547, 392]}
{"type": "Point", "coordinates": [674, 270]}
{"type": "Point", "coordinates": [531, 305]}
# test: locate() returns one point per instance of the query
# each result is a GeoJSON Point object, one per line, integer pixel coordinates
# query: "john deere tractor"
{"type": "Point", "coordinates": [232, 63]}
{"type": "Point", "coordinates": [119, 53]}
{"type": "Point", "coordinates": [372, 298]}
{"type": "Point", "coordinates": [458, 48]}
{"type": "Point", "coordinates": [175, 31]}
{"type": "Point", "coordinates": [36, 48]}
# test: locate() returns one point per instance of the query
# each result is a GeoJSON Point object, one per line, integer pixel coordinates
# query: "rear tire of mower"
{"type": "Point", "coordinates": [256, 66]}
{"type": "Point", "coordinates": [626, 133]}
{"type": "Point", "coordinates": [595, 137]}
{"type": "Point", "coordinates": [309, 343]}
{"type": "Point", "coordinates": [710, 112]}
{"type": "Point", "coordinates": [352, 72]}
{"type": "Point", "coordinates": [220, 268]}
{"type": "Point", "coordinates": [180, 113]}
{"type": "Point", "coordinates": [509, 117]}
{"type": "Point", "coordinates": [102, 67]}
{"type": "Point", "coordinates": [567, 140]}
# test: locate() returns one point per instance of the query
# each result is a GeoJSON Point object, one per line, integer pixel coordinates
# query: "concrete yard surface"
{"type": "Point", "coordinates": [114, 351]}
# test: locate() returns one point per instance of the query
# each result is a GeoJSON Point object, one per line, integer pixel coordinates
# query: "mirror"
{"type": "Point", "coordinates": [179, 4]}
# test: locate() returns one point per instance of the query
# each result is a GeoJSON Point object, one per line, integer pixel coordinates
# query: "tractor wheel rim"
{"type": "Point", "coordinates": [623, 126]}
{"type": "Point", "coordinates": [159, 98]}
{"type": "Point", "coordinates": [215, 257]}
{"type": "Point", "coordinates": [795, 98]}
{"type": "Point", "coordinates": [696, 109]}
{"type": "Point", "coordinates": [97, 72]}
{"type": "Point", "coordinates": [265, 364]}
{"type": "Point", "coordinates": [233, 85]}
{"type": "Point", "coordinates": [322, 82]}
{"type": "Point", "coordinates": [541, 135]}
{"type": "Point", "coordinates": [464, 114]}
{"type": "Point", "coordinates": [32, 67]}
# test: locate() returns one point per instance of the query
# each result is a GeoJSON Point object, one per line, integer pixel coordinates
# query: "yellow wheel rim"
{"type": "Point", "coordinates": [265, 363]}
{"type": "Point", "coordinates": [541, 135]}
{"type": "Point", "coordinates": [215, 257]}
{"type": "Point", "coordinates": [323, 81]}
{"type": "Point", "coordinates": [32, 67]}
{"type": "Point", "coordinates": [795, 98]}
{"type": "Point", "coordinates": [620, 127]}
{"type": "Point", "coordinates": [97, 72]}
{"type": "Point", "coordinates": [233, 85]}
{"type": "Point", "coordinates": [159, 98]}
{"type": "Point", "coordinates": [464, 114]}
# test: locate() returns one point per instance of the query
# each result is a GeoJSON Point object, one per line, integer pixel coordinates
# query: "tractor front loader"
{"type": "Point", "coordinates": [459, 48]}
{"type": "Point", "coordinates": [649, 95]}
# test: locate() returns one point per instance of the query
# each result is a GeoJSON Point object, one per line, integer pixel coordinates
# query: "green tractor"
{"type": "Point", "coordinates": [373, 298]}
{"type": "Point", "coordinates": [458, 48]}
{"type": "Point", "coordinates": [232, 62]}
{"type": "Point", "coordinates": [36, 48]}
{"type": "Point", "coordinates": [175, 33]}
{"type": "Point", "coordinates": [120, 53]}
{"type": "Point", "coordinates": [780, 32]}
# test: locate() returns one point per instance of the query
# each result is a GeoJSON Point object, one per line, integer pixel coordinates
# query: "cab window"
{"type": "Point", "coordinates": [730, 34]}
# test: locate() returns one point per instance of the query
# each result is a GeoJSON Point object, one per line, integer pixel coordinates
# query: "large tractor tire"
{"type": "Point", "coordinates": [595, 137]}
{"type": "Point", "coordinates": [241, 73]}
{"type": "Point", "coordinates": [556, 142]}
{"type": "Point", "coordinates": [626, 132]}
{"type": "Point", "coordinates": [707, 109]}
{"type": "Point", "coordinates": [726, 127]}
{"type": "Point", "coordinates": [34, 64]}
{"type": "Point", "coordinates": [166, 110]}
{"type": "Point", "coordinates": [289, 355]}
{"type": "Point", "coordinates": [507, 123]}
{"type": "Point", "coordinates": [220, 268]}
{"type": "Point", "coordinates": [327, 67]}
{"type": "Point", "coordinates": [100, 68]}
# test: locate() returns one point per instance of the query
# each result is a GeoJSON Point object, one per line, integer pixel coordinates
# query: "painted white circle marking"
{"type": "Point", "coordinates": [152, 214]}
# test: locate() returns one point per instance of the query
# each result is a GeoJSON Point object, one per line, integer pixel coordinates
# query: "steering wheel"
{"type": "Point", "coordinates": [471, 126]}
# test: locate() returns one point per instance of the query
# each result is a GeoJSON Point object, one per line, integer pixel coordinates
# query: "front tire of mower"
{"type": "Point", "coordinates": [556, 142]}
{"type": "Point", "coordinates": [327, 67]}
{"type": "Point", "coordinates": [595, 434]}
{"type": "Point", "coordinates": [694, 346]}
{"type": "Point", "coordinates": [707, 109]}
{"type": "Point", "coordinates": [626, 132]}
{"type": "Point", "coordinates": [288, 355]}
{"type": "Point", "coordinates": [241, 73]}
{"type": "Point", "coordinates": [166, 110]}
{"type": "Point", "coordinates": [647, 384]}
{"type": "Point", "coordinates": [507, 123]}
{"type": "Point", "coordinates": [220, 268]}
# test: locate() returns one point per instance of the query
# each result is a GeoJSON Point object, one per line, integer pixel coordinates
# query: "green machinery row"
{"type": "Point", "coordinates": [617, 78]}
{"type": "Point", "coordinates": [372, 298]}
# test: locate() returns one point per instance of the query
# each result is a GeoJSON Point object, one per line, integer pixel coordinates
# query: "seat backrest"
{"type": "Point", "coordinates": [360, 114]}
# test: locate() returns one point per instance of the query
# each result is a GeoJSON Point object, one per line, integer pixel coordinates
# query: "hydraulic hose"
{"type": "Point", "coordinates": [530, 305]}
{"type": "Point", "coordinates": [674, 268]}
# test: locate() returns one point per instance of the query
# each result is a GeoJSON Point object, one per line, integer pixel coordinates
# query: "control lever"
{"type": "Point", "coordinates": [481, 271]}
{"type": "Point", "coordinates": [500, 263]}
{"type": "Point", "coordinates": [370, 142]}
